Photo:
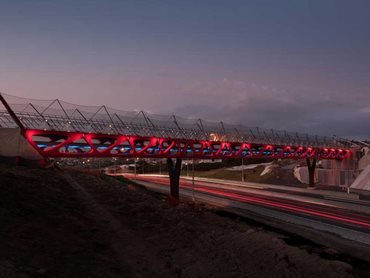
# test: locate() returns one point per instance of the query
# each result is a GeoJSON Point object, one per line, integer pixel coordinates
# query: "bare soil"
{"type": "Point", "coordinates": [71, 224]}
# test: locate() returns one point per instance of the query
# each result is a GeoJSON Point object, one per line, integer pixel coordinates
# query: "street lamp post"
{"type": "Point", "coordinates": [348, 180]}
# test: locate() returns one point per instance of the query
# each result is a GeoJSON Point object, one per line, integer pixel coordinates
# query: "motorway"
{"type": "Point", "coordinates": [344, 216]}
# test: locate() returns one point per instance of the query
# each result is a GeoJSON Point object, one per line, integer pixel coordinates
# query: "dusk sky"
{"type": "Point", "coordinates": [296, 65]}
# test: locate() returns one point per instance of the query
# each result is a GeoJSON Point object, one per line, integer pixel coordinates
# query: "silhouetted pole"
{"type": "Point", "coordinates": [174, 173]}
{"type": "Point", "coordinates": [311, 171]}
{"type": "Point", "coordinates": [193, 183]}
{"type": "Point", "coordinates": [135, 168]}
{"type": "Point", "coordinates": [242, 169]}
{"type": "Point", "coordinates": [11, 113]}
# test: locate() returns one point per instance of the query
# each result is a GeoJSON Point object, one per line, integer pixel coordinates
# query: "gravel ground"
{"type": "Point", "coordinates": [63, 224]}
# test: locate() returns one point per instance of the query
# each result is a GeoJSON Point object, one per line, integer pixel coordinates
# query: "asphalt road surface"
{"type": "Point", "coordinates": [340, 215]}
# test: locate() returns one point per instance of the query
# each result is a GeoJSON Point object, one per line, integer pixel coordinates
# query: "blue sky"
{"type": "Point", "coordinates": [296, 65]}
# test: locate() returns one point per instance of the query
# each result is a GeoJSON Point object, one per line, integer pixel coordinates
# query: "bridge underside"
{"type": "Point", "coordinates": [75, 144]}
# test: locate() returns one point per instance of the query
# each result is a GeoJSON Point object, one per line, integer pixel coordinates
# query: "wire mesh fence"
{"type": "Point", "coordinates": [64, 116]}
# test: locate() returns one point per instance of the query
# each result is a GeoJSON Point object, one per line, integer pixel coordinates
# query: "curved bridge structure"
{"type": "Point", "coordinates": [59, 129]}
{"type": "Point", "coordinates": [77, 144]}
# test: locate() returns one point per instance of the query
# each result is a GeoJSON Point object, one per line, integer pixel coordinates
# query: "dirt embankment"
{"type": "Point", "coordinates": [56, 224]}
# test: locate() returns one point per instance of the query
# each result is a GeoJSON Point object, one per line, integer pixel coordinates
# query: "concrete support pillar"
{"type": "Point", "coordinates": [311, 165]}
{"type": "Point", "coordinates": [174, 171]}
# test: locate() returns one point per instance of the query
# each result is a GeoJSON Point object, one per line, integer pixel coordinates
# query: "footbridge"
{"type": "Point", "coordinates": [56, 128]}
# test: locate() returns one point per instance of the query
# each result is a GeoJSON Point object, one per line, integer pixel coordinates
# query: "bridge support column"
{"type": "Point", "coordinates": [174, 171]}
{"type": "Point", "coordinates": [311, 165]}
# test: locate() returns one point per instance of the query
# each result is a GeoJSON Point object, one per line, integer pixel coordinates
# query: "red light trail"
{"type": "Point", "coordinates": [325, 212]}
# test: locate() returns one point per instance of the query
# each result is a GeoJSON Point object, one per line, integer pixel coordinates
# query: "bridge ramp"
{"type": "Point", "coordinates": [363, 180]}
{"type": "Point", "coordinates": [13, 144]}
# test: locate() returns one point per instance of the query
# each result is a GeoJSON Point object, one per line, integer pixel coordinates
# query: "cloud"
{"type": "Point", "coordinates": [365, 110]}
{"type": "Point", "coordinates": [250, 104]}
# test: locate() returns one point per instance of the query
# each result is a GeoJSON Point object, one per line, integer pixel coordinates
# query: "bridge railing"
{"type": "Point", "coordinates": [63, 116]}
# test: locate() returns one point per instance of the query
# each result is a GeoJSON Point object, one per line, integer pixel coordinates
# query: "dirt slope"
{"type": "Point", "coordinates": [56, 224]}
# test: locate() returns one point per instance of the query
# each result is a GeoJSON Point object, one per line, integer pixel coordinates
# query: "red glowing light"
{"type": "Point", "coordinates": [166, 147]}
